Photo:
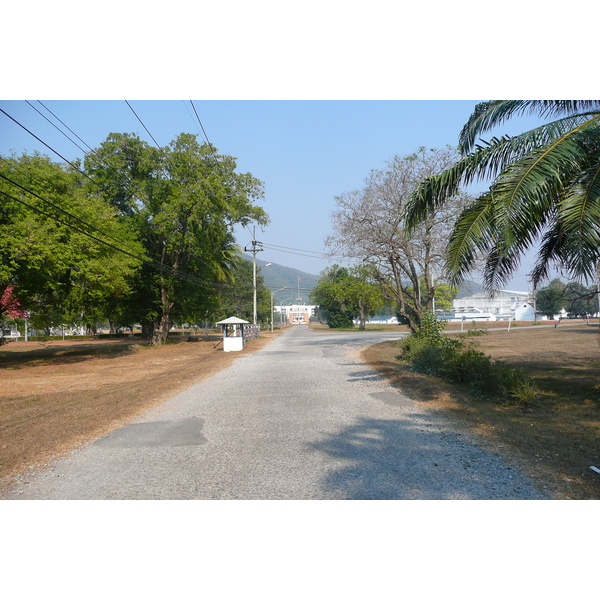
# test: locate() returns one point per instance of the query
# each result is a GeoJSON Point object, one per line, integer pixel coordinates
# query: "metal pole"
{"type": "Point", "coordinates": [254, 283]}
{"type": "Point", "coordinates": [271, 312]}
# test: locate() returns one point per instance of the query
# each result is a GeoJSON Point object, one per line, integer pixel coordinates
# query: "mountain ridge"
{"type": "Point", "coordinates": [278, 276]}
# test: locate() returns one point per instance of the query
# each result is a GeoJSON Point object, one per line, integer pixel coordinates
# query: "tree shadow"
{"type": "Point", "coordinates": [378, 459]}
{"type": "Point", "coordinates": [58, 354]}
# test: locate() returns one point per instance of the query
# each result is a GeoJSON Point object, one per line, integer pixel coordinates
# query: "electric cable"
{"type": "Point", "coordinates": [55, 126]}
{"type": "Point", "coordinates": [149, 262]}
{"type": "Point", "coordinates": [144, 126]}
{"type": "Point", "coordinates": [47, 146]}
{"type": "Point", "coordinates": [83, 173]}
{"type": "Point", "coordinates": [65, 125]}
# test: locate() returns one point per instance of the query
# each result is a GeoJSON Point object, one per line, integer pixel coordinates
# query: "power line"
{"type": "Point", "coordinates": [85, 175]}
{"type": "Point", "coordinates": [55, 126]}
{"type": "Point", "coordinates": [47, 146]}
{"type": "Point", "coordinates": [65, 125]}
{"type": "Point", "coordinates": [201, 126]}
{"type": "Point", "coordinates": [142, 122]}
{"type": "Point", "coordinates": [323, 256]}
{"type": "Point", "coordinates": [149, 262]}
{"type": "Point", "coordinates": [298, 249]}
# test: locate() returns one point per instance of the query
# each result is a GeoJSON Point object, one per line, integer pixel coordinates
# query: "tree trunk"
{"type": "Point", "coordinates": [161, 325]}
{"type": "Point", "coordinates": [362, 325]}
{"type": "Point", "coordinates": [161, 329]}
{"type": "Point", "coordinates": [147, 330]}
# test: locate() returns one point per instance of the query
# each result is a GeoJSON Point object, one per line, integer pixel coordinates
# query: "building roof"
{"type": "Point", "coordinates": [233, 320]}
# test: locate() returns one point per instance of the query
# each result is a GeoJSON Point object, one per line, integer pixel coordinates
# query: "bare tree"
{"type": "Point", "coordinates": [368, 226]}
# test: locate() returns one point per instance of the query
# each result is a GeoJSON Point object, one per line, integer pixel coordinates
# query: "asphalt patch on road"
{"type": "Point", "coordinates": [390, 398]}
{"type": "Point", "coordinates": [182, 432]}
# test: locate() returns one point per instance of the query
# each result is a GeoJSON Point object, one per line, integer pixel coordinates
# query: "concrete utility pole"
{"type": "Point", "coordinates": [256, 247]}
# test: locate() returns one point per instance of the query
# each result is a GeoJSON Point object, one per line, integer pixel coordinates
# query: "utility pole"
{"type": "Point", "coordinates": [256, 247]}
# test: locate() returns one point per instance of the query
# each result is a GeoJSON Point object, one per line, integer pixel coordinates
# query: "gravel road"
{"type": "Point", "coordinates": [303, 418]}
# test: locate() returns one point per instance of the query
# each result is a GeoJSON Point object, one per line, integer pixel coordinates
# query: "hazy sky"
{"type": "Point", "coordinates": [305, 152]}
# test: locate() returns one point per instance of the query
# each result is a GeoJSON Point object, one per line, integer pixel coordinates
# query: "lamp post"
{"type": "Point", "coordinates": [254, 281]}
{"type": "Point", "coordinates": [272, 295]}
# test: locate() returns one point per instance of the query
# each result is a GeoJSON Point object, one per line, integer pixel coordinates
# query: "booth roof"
{"type": "Point", "coordinates": [232, 320]}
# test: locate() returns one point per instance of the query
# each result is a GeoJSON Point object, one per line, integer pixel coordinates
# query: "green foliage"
{"type": "Point", "coordinates": [545, 188]}
{"type": "Point", "coordinates": [58, 272]}
{"type": "Point", "coordinates": [577, 299]}
{"type": "Point", "coordinates": [458, 361]}
{"type": "Point", "coordinates": [184, 200]}
{"type": "Point", "coordinates": [236, 297]}
{"type": "Point", "coordinates": [346, 294]}
{"type": "Point", "coordinates": [338, 320]}
{"type": "Point", "coordinates": [171, 210]}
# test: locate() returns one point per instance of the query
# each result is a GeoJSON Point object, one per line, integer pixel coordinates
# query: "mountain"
{"type": "Point", "coordinates": [277, 277]}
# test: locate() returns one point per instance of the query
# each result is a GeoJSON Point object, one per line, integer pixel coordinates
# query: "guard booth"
{"type": "Point", "coordinates": [233, 334]}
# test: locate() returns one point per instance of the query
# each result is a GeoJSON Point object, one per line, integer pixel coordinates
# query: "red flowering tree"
{"type": "Point", "coordinates": [10, 307]}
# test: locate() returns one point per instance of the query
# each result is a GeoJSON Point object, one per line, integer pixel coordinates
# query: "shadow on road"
{"type": "Point", "coordinates": [395, 459]}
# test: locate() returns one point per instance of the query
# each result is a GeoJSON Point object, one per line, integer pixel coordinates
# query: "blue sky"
{"type": "Point", "coordinates": [305, 152]}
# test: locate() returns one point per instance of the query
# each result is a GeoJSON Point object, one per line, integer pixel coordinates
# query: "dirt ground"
{"type": "Point", "coordinates": [558, 438]}
{"type": "Point", "coordinates": [60, 394]}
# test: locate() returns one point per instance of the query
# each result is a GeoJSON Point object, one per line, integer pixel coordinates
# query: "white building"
{"type": "Point", "coordinates": [295, 314]}
{"type": "Point", "coordinates": [504, 305]}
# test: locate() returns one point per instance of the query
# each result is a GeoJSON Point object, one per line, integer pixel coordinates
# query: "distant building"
{"type": "Point", "coordinates": [504, 305]}
{"type": "Point", "coordinates": [295, 314]}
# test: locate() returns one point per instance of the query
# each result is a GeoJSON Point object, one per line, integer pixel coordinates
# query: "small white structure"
{"type": "Point", "coordinates": [233, 333]}
{"type": "Point", "coordinates": [524, 312]}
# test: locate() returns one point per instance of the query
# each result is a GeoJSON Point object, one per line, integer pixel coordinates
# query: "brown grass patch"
{"type": "Point", "coordinates": [57, 395]}
{"type": "Point", "coordinates": [558, 439]}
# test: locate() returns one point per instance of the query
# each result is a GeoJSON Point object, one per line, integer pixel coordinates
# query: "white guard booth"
{"type": "Point", "coordinates": [233, 334]}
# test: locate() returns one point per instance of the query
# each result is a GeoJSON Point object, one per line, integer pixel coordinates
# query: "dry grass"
{"type": "Point", "coordinates": [558, 438]}
{"type": "Point", "coordinates": [57, 395]}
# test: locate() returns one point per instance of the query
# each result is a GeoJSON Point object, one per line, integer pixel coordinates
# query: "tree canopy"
{"type": "Point", "coordinates": [138, 235]}
{"type": "Point", "coordinates": [346, 294]}
{"type": "Point", "coordinates": [50, 256]}
{"type": "Point", "coordinates": [573, 297]}
{"type": "Point", "coordinates": [545, 189]}
{"type": "Point", "coordinates": [184, 200]}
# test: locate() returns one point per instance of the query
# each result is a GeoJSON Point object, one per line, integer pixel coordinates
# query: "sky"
{"type": "Point", "coordinates": [305, 152]}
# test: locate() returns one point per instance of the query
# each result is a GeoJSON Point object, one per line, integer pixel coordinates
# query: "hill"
{"type": "Point", "coordinates": [277, 277]}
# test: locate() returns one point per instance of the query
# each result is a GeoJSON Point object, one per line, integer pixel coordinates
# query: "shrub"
{"type": "Point", "coordinates": [340, 320]}
{"type": "Point", "coordinates": [458, 361]}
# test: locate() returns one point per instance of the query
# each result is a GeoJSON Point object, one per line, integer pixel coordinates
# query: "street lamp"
{"type": "Point", "coordinates": [254, 282]}
{"type": "Point", "coordinates": [272, 294]}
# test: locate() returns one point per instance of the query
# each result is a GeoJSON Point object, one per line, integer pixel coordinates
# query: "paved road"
{"type": "Point", "coordinates": [303, 418]}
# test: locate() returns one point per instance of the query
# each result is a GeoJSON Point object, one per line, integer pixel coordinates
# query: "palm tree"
{"type": "Point", "coordinates": [545, 188]}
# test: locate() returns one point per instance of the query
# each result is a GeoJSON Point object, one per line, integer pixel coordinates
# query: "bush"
{"type": "Point", "coordinates": [458, 361]}
{"type": "Point", "coordinates": [340, 320]}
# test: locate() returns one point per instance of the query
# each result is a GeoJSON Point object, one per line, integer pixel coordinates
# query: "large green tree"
{"type": "Point", "coordinates": [577, 299]}
{"type": "Point", "coordinates": [51, 256]}
{"type": "Point", "coordinates": [545, 190]}
{"type": "Point", "coordinates": [184, 199]}
{"type": "Point", "coordinates": [346, 294]}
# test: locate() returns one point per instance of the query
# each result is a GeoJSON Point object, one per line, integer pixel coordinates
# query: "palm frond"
{"type": "Point", "coordinates": [527, 189]}
{"type": "Point", "coordinates": [485, 161]}
{"type": "Point", "coordinates": [488, 115]}
{"type": "Point", "coordinates": [473, 234]}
